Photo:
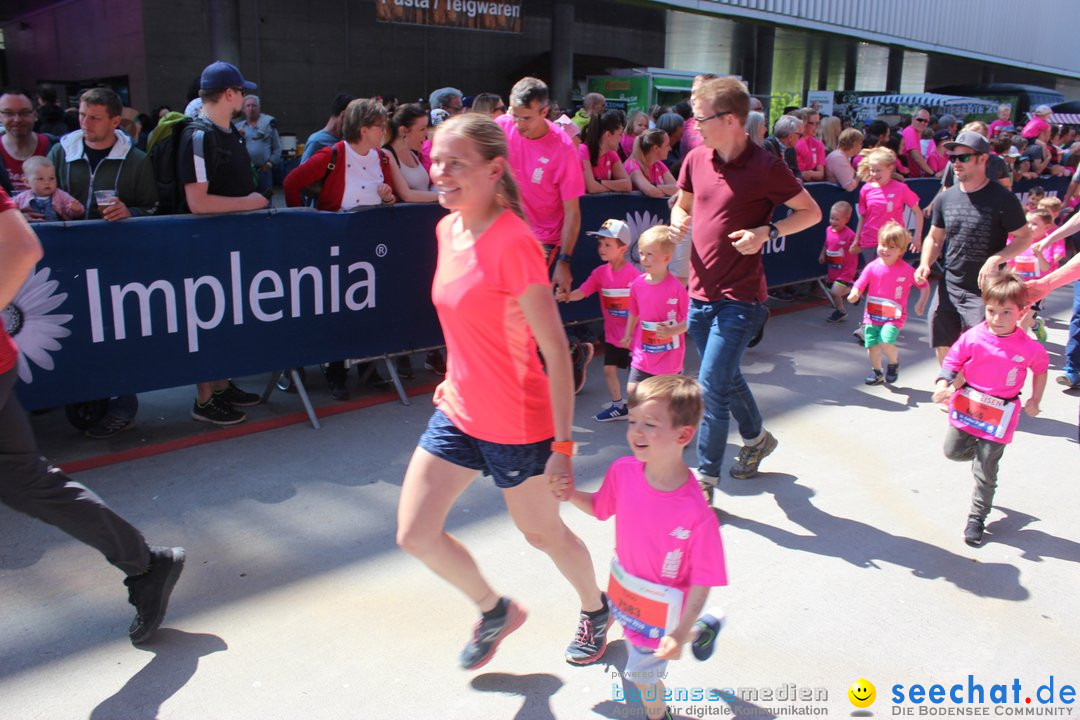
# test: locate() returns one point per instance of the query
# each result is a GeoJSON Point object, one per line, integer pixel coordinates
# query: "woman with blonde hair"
{"type": "Point", "coordinates": [497, 411]}
{"type": "Point", "coordinates": [829, 131]}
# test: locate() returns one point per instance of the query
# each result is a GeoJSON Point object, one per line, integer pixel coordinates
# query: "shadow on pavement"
{"type": "Point", "coordinates": [536, 688]}
{"type": "Point", "coordinates": [176, 658]}
{"type": "Point", "coordinates": [1035, 545]}
{"type": "Point", "coordinates": [862, 545]}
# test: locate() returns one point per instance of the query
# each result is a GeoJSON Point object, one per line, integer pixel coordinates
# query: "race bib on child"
{"type": "Point", "coordinates": [651, 342]}
{"type": "Point", "coordinates": [882, 310]}
{"type": "Point", "coordinates": [616, 301]}
{"type": "Point", "coordinates": [1026, 266]}
{"type": "Point", "coordinates": [987, 413]}
{"type": "Point", "coordinates": [642, 606]}
{"type": "Point", "coordinates": [835, 258]}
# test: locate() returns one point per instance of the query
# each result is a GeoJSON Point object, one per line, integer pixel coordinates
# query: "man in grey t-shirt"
{"type": "Point", "coordinates": [971, 222]}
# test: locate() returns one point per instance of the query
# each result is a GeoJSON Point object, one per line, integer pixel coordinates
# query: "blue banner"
{"type": "Point", "coordinates": [148, 303]}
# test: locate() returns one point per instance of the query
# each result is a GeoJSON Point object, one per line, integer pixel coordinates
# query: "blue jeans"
{"type": "Point", "coordinates": [722, 330]}
{"type": "Point", "coordinates": [1072, 347]}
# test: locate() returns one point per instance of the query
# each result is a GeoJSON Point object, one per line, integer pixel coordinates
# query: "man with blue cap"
{"type": "Point", "coordinates": [215, 170]}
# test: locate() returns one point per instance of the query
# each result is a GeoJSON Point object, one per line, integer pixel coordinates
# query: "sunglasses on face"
{"type": "Point", "coordinates": [962, 157]}
{"type": "Point", "coordinates": [922, 120]}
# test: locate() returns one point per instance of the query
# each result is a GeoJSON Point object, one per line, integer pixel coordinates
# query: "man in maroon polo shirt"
{"type": "Point", "coordinates": [730, 187]}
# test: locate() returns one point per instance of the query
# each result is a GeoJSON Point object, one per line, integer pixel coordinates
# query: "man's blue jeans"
{"type": "Point", "coordinates": [722, 330]}
{"type": "Point", "coordinates": [1072, 347]}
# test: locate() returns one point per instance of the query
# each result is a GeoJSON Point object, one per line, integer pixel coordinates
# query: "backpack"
{"type": "Point", "coordinates": [163, 147]}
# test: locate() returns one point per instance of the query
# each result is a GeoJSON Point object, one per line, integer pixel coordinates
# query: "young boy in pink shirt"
{"type": "Point", "coordinates": [658, 307]}
{"type": "Point", "coordinates": [842, 262]}
{"type": "Point", "coordinates": [887, 283]}
{"type": "Point", "coordinates": [668, 551]}
{"type": "Point", "coordinates": [612, 280]}
{"type": "Point", "coordinates": [993, 359]}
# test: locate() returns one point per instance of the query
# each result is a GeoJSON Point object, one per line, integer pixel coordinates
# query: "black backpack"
{"type": "Point", "coordinates": [163, 147]}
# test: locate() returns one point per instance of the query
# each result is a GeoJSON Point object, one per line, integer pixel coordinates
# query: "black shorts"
{"type": "Point", "coordinates": [617, 356]}
{"type": "Point", "coordinates": [952, 312]}
{"type": "Point", "coordinates": [637, 376]}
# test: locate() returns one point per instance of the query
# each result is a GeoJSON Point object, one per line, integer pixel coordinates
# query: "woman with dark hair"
{"type": "Point", "coordinates": [599, 153]}
{"type": "Point", "coordinates": [408, 176]}
{"type": "Point", "coordinates": [673, 124]}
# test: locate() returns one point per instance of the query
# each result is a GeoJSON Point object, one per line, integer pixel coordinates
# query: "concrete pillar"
{"type": "Point", "coordinates": [808, 59]}
{"type": "Point", "coordinates": [562, 53]}
{"type": "Point", "coordinates": [824, 48]}
{"type": "Point", "coordinates": [895, 70]}
{"type": "Point", "coordinates": [224, 16]}
{"type": "Point", "coordinates": [765, 43]}
{"type": "Point", "coordinates": [851, 63]}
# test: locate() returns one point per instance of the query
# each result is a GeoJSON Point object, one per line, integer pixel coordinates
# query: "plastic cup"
{"type": "Point", "coordinates": [104, 198]}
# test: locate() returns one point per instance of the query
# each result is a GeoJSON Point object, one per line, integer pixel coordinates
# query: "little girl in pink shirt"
{"type": "Point", "coordinates": [658, 307]}
{"type": "Point", "coordinates": [887, 283]}
{"type": "Point", "coordinates": [882, 199]}
{"type": "Point", "coordinates": [993, 359]}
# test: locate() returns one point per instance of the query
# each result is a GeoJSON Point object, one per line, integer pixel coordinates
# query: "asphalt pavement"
{"type": "Point", "coordinates": [845, 558]}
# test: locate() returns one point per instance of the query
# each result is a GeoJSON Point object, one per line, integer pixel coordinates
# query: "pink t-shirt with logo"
{"type": "Point", "coordinates": [655, 174]}
{"type": "Point", "coordinates": [665, 302]}
{"type": "Point", "coordinates": [996, 365]}
{"type": "Point", "coordinates": [810, 152]}
{"type": "Point", "coordinates": [997, 126]}
{"type": "Point", "coordinates": [880, 204]}
{"type": "Point", "coordinates": [841, 264]}
{"type": "Point", "coordinates": [669, 538]}
{"type": "Point", "coordinates": [886, 289]}
{"type": "Point", "coordinates": [911, 139]}
{"type": "Point", "coordinates": [495, 387]}
{"type": "Point", "coordinates": [602, 169]}
{"type": "Point", "coordinates": [548, 172]}
{"type": "Point", "coordinates": [614, 289]}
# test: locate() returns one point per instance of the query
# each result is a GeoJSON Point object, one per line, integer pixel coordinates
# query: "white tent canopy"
{"type": "Point", "coordinates": [955, 104]}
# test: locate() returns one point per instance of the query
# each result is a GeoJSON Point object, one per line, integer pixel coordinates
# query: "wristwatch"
{"type": "Point", "coordinates": [563, 257]}
{"type": "Point", "coordinates": [566, 447]}
{"type": "Point", "coordinates": [774, 232]}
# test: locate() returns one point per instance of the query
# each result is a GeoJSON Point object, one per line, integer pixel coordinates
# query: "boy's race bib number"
{"type": "Point", "coordinates": [651, 342]}
{"type": "Point", "coordinates": [616, 301]}
{"type": "Point", "coordinates": [987, 413]}
{"type": "Point", "coordinates": [645, 607]}
{"type": "Point", "coordinates": [1027, 267]}
{"type": "Point", "coordinates": [882, 310]}
{"type": "Point", "coordinates": [835, 258]}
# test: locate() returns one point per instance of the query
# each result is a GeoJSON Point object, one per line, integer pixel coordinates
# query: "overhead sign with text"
{"type": "Point", "coordinates": [466, 14]}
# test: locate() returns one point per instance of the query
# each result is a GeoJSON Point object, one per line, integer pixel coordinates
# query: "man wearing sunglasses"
{"type": "Point", "coordinates": [912, 145]}
{"type": "Point", "coordinates": [972, 221]}
{"type": "Point", "coordinates": [730, 187]}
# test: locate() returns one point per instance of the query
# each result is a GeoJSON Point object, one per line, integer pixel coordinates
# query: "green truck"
{"type": "Point", "coordinates": [640, 88]}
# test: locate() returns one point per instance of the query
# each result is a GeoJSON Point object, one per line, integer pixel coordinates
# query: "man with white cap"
{"type": "Point", "coordinates": [972, 220]}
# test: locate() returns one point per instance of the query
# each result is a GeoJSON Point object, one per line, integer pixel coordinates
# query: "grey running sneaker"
{"type": "Point", "coordinates": [149, 592]}
{"type": "Point", "coordinates": [217, 412]}
{"type": "Point", "coordinates": [591, 638]}
{"type": "Point", "coordinates": [487, 634]}
{"type": "Point", "coordinates": [973, 533]}
{"type": "Point", "coordinates": [707, 483]}
{"type": "Point", "coordinates": [750, 456]}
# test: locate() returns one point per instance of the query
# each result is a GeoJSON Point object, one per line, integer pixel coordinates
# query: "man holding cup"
{"type": "Point", "coordinates": [99, 164]}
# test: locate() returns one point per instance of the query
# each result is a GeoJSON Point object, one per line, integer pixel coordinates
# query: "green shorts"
{"type": "Point", "coordinates": [874, 334]}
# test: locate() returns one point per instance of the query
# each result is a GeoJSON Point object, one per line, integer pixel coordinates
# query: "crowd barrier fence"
{"type": "Point", "coordinates": [150, 303]}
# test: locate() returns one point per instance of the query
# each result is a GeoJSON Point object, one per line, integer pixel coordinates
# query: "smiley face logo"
{"type": "Point", "coordinates": [862, 693]}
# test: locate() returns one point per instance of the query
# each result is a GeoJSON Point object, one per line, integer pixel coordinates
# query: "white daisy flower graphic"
{"type": "Point", "coordinates": [28, 321]}
{"type": "Point", "coordinates": [639, 222]}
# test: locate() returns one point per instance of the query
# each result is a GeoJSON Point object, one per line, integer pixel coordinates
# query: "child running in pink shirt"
{"type": "Point", "coordinates": [887, 283]}
{"type": "Point", "coordinates": [612, 280]}
{"type": "Point", "coordinates": [993, 359]}
{"type": "Point", "coordinates": [882, 199]}
{"type": "Point", "coordinates": [843, 262]}
{"type": "Point", "coordinates": [668, 551]}
{"type": "Point", "coordinates": [658, 307]}
{"type": "Point", "coordinates": [1038, 260]}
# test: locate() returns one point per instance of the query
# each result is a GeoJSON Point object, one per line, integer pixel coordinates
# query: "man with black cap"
{"type": "Point", "coordinates": [215, 170]}
{"type": "Point", "coordinates": [972, 220]}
